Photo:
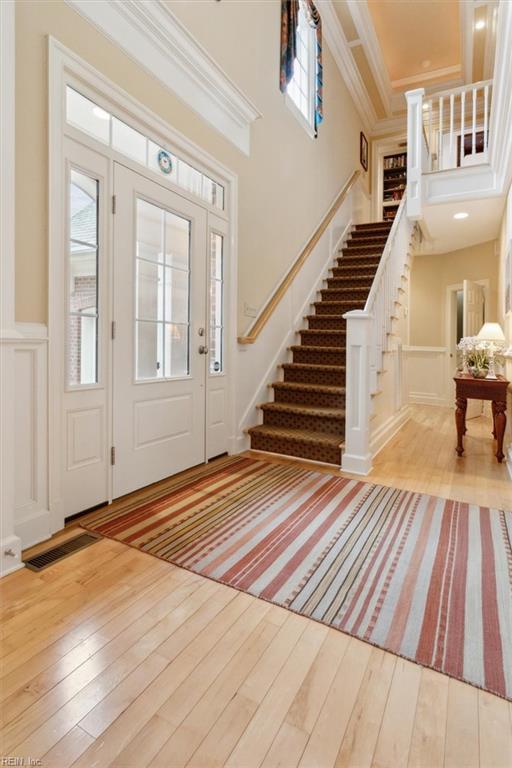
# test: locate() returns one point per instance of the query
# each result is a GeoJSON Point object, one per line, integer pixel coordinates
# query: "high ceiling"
{"type": "Point", "coordinates": [418, 38]}
{"type": "Point", "coordinates": [399, 45]}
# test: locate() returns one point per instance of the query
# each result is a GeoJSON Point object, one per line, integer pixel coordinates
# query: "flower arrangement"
{"type": "Point", "coordinates": [477, 354]}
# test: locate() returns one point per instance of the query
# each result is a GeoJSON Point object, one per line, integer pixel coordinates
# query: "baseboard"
{"type": "Point", "coordinates": [386, 431]}
{"type": "Point", "coordinates": [34, 527]}
{"type": "Point", "coordinates": [424, 398]}
{"type": "Point", "coordinates": [238, 444]}
{"type": "Point", "coordinates": [10, 562]}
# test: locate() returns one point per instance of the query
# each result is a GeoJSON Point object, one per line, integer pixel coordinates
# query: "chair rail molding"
{"type": "Point", "coordinates": [149, 33]}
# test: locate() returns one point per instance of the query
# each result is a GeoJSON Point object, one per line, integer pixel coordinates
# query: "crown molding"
{"type": "Point", "coordinates": [365, 29]}
{"type": "Point", "coordinates": [422, 77]}
{"type": "Point", "coordinates": [149, 33]}
{"type": "Point", "coordinates": [390, 126]}
{"type": "Point", "coordinates": [340, 49]}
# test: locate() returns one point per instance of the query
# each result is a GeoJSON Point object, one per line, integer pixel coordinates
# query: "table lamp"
{"type": "Point", "coordinates": [492, 333]}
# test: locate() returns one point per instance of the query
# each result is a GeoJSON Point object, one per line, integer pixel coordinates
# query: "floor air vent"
{"type": "Point", "coordinates": [68, 547]}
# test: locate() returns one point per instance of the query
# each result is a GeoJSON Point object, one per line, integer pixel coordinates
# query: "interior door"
{"type": "Point", "coordinates": [473, 314]}
{"type": "Point", "coordinates": [160, 337]}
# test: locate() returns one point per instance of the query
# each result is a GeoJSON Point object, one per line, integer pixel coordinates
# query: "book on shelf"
{"type": "Point", "coordinates": [395, 161]}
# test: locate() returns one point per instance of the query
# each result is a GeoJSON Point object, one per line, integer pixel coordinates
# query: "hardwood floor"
{"type": "Point", "coordinates": [114, 658]}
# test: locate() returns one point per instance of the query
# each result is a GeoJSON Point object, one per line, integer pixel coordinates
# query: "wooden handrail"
{"type": "Point", "coordinates": [268, 309]}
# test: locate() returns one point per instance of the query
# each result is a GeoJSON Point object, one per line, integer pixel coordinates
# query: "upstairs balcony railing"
{"type": "Point", "coordinates": [448, 130]}
{"type": "Point", "coordinates": [450, 115]}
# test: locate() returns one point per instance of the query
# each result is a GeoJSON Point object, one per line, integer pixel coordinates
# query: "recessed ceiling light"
{"type": "Point", "coordinates": [99, 112]}
{"type": "Point", "coordinates": [461, 215]}
{"type": "Point", "coordinates": [480, 24]}
{"type": "Point", "coordinates": [426, 63]}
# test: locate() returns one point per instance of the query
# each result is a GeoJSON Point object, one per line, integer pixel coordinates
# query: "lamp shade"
{"type": "Point", "coordinates": [491, 332]}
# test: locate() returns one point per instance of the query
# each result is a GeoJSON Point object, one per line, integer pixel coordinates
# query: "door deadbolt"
{"type": "Point", "coordinates": [200, 331]}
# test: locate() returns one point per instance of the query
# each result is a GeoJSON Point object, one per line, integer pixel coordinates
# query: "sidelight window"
{"type": "Point", "coordinates": [82, 321]}
{"type": "Point", "coordinates": [216, 303]}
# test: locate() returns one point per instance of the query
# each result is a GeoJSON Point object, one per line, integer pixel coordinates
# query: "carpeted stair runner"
{"type": "Point", "coordinates": [307, 416]}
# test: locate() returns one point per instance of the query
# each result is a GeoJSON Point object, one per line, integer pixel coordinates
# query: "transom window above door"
{"type": "Point", "coordinates": [162, 287]}
{"type": "Point", "coordinates": [84, 114]}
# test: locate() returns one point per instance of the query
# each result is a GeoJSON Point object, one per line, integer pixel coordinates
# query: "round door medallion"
{"type": "Point", "coordinates": [164, 161]}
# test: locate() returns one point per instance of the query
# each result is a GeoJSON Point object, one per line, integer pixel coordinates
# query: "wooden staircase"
{"type": "Point", "coordinates": [307, 416]}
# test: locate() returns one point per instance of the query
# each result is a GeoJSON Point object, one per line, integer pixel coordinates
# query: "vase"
{"type": "Point", "coordinates": [478, 373]}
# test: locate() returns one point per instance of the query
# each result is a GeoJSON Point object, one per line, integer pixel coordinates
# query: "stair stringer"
{"type": "Point", "coordinates": [253, 413]}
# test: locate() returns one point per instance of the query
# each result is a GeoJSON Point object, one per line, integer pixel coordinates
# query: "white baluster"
{"type": "Point", "coordinates": [473, 143]}
{"type": "Point", "coordinates": [452, 98]}
{"type": "Point", "coordinates": [430, 148]}
{"type": "Point", "coordinates": [440, 134]}
{"type": "Point", "coordinates": [462, 108]}
{"type": "Point", "coordinates": [486, 113]}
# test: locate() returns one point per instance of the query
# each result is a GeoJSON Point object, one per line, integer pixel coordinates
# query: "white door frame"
{"type": "Point", "coordinates": [451, 291]}
{"type": "Point", "coordinates": [65, 67]}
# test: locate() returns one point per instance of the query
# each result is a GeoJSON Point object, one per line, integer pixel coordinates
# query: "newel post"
{"type": "Point", "coordinates": [414, 152]}
{"type": "Point", "coordinates": [357, 455]}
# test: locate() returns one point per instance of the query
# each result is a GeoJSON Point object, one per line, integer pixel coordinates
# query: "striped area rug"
{"type": "Point", "coordinates": [422, 577]}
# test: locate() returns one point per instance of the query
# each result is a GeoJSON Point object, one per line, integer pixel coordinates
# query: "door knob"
{"type": "Point", "coordinates": [203, 350]}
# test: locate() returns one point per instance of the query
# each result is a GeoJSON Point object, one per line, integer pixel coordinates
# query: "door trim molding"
{"type": "Point", "coordinates": [63, 66]}
{"type": "Point", "coordinates": [151, 35]}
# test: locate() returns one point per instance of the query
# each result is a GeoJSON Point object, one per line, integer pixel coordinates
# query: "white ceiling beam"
{"type": "Point", "coordinates": [366, 31]}
{"type": "Point", "coordinates": [339, 47]}
{"type": "Point", "coordinates": [467, 20]}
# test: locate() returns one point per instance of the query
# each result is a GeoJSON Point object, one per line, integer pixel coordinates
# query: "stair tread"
{"type": "Point", "coordinates": [313, 367]}
{"type": "Point", "coordinates": [305, 387]}
{"type": "Point", "coordinates": [303, 435]}
{"type": "Point", "coordinates": [326, 317]}
{"type": "Point", "coordinates": [315, 347]}
{"type": "Point", "coordinates": [321, 331]}
{"type": "Point", "coordinates": [320, 411]}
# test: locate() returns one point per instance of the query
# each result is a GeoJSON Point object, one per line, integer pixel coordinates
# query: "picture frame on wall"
{"type": "Point", "coordinates": [363, 151]}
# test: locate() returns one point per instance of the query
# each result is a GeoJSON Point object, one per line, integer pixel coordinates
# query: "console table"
{"type": "Point", "coordinates": [481, 389]}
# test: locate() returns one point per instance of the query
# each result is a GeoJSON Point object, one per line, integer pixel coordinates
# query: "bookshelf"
{"type": "Point", "coordinates": [394, 180]}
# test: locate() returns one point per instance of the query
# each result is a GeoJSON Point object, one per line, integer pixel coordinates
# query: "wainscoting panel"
{"type": "Point", "coordinates": [426, 375]}
{"type": "Point", "coordinates": [31, 515]}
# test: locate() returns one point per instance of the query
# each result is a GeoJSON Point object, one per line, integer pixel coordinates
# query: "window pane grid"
{"type": "Point", "coordinates": [162, 309]}
{"type": "Point", "coordinates": [89, 117]}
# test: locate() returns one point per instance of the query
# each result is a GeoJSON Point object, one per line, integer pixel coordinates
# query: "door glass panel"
{"type": "Point", "coordinates": [176, 349]}
{"type": "Point", "coordinates": [176, 295]}
{"type": "Point", "coordinates": [150, 290]}
{"type": "Point", "coordinates": [162, 293]}
{"type": "Point", "coordinates": [177, 241]}
{"type": "Point", "coordinates": [82, 325]}
{"type": "Point", "coordinates": [216, 302]}
{"type": "Point", "coordinates": [150, 232]}
{"type": "Point", "coordinates": [149, 350]}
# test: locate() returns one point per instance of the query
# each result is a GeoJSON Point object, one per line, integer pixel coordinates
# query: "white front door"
{"type": "Point", "coordinates": [160, 332]}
